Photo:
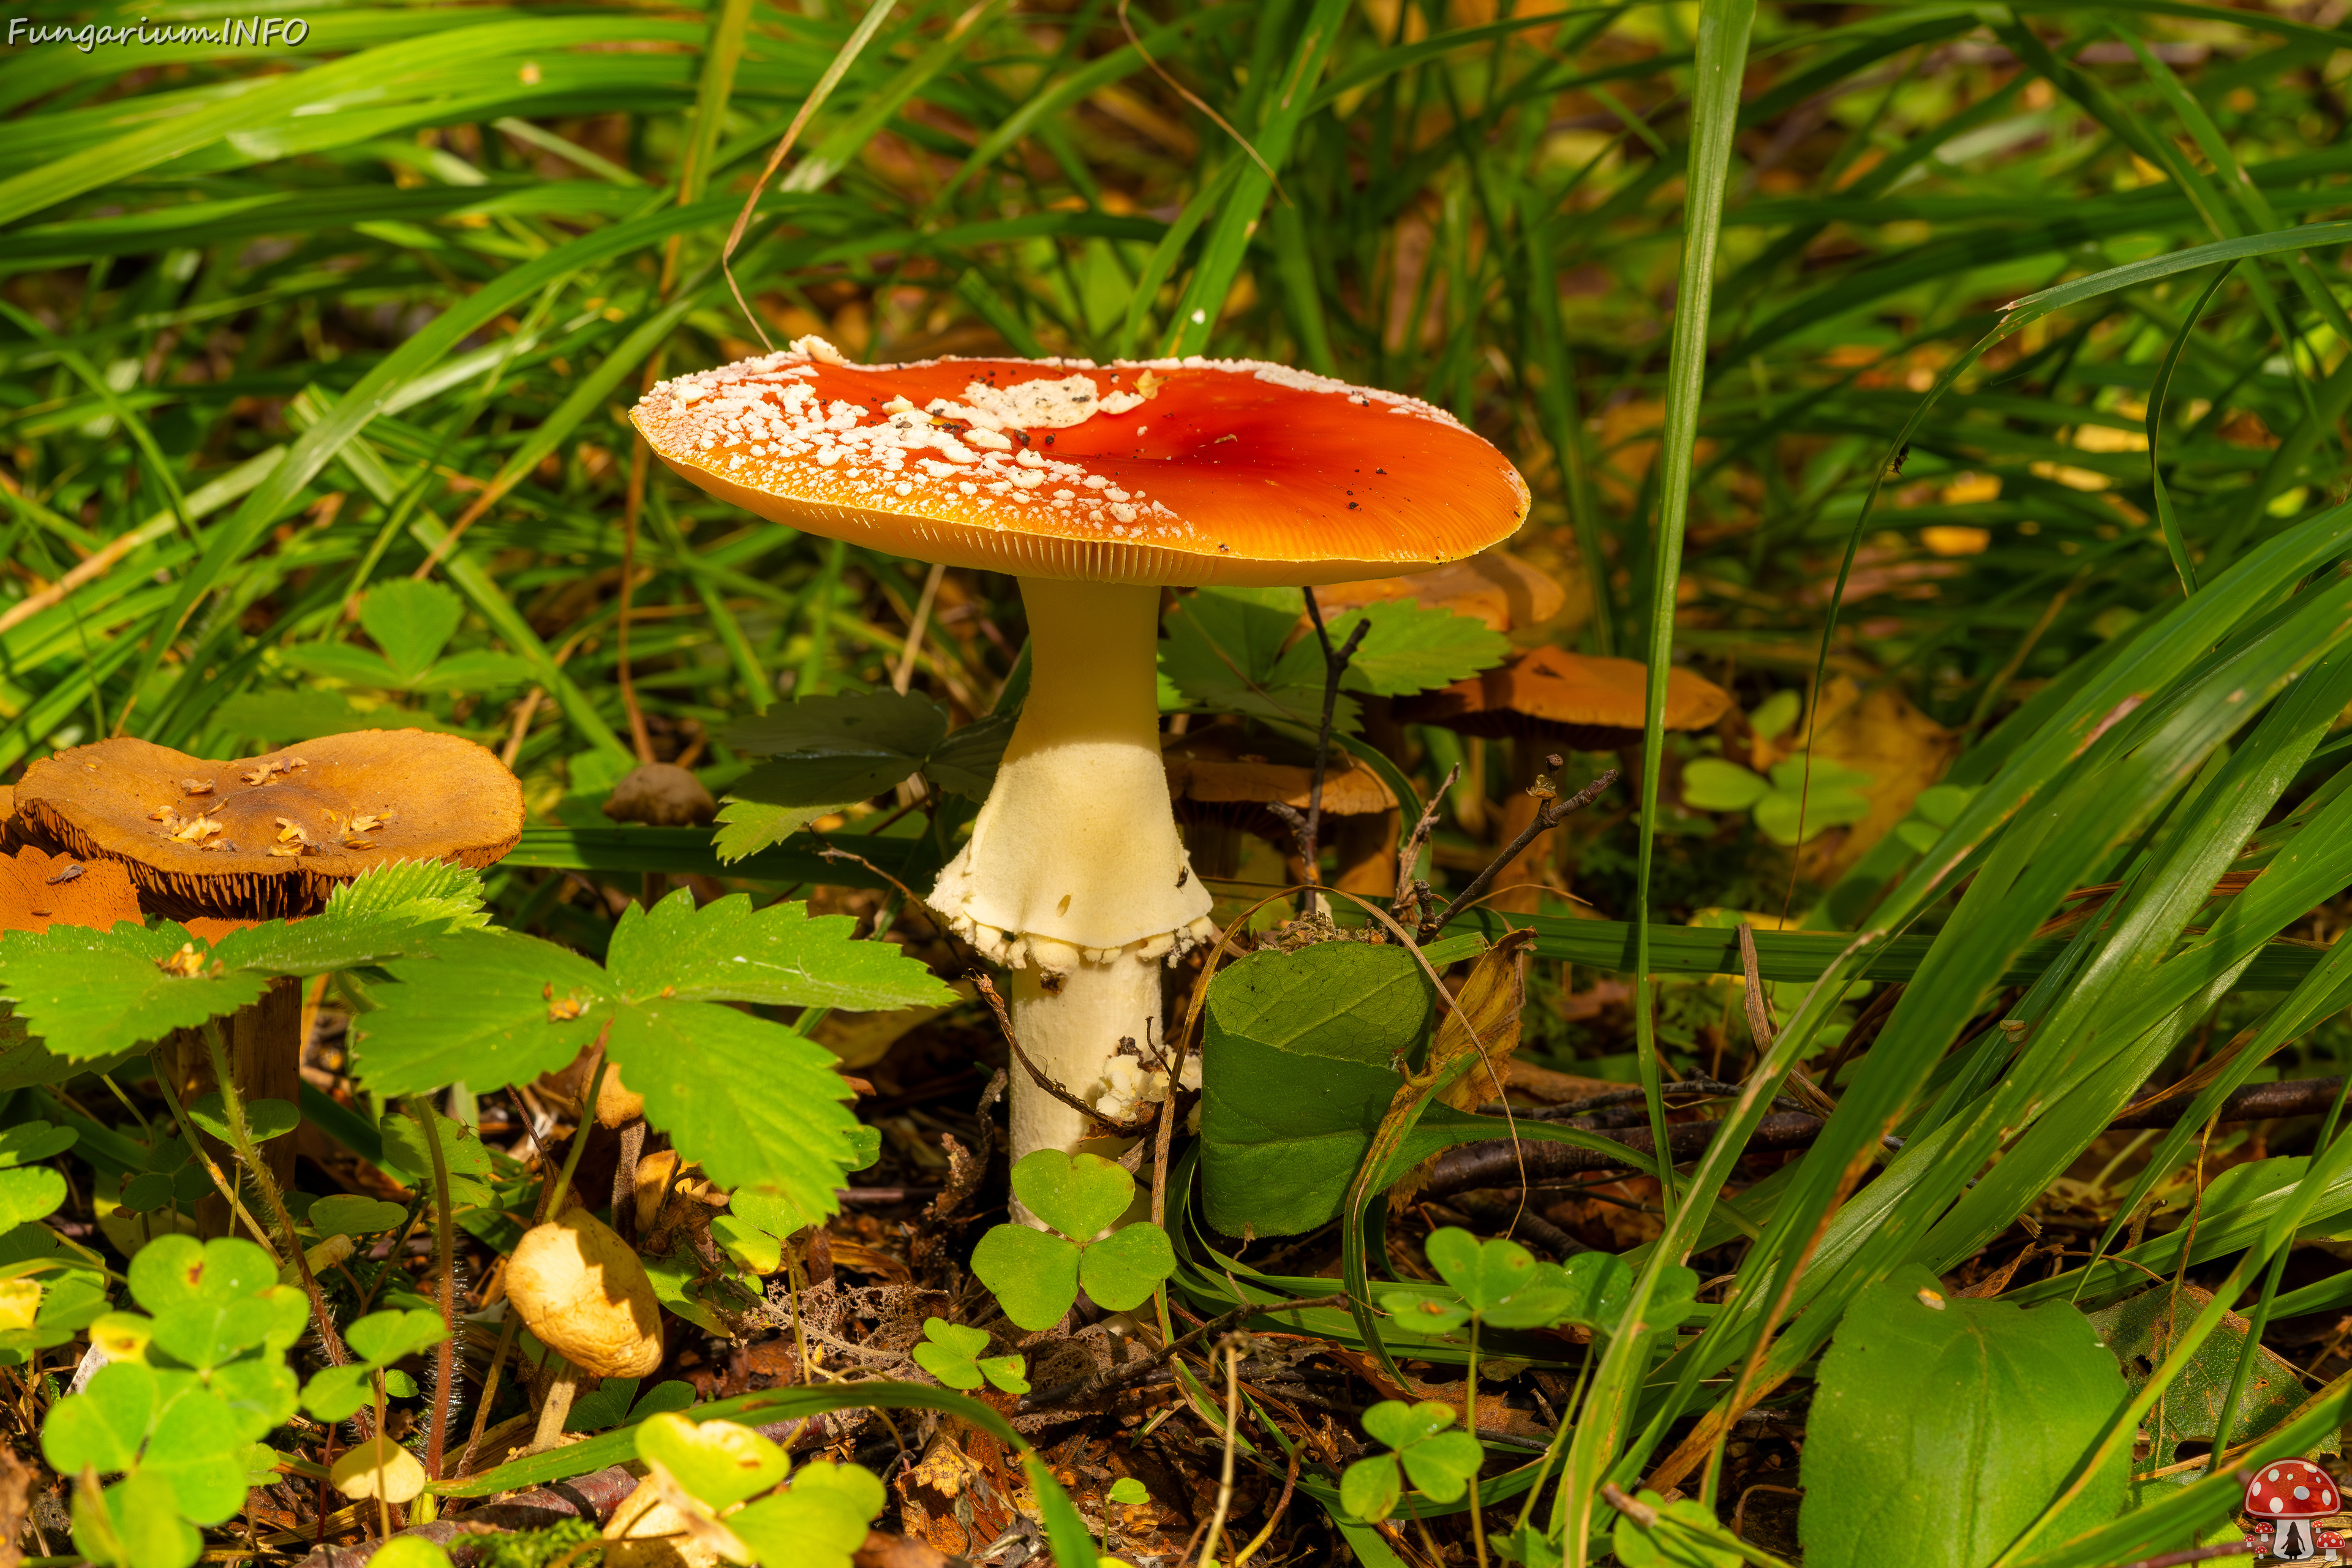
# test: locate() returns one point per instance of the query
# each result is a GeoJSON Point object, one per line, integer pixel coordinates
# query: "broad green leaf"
{"type": "Point", "coordinates": [348, 1214]}
{"type": "Point", "coordinates": [28, 1193]}
{"type": "Point", "coordinates": [1710, 784]}
{"type": "Point", "coordinates": [1487, 1274]}
{"type": "Point", "coordinates": [1033, 1275]}
{"type": "Point", "coordinates": [91, 993]}
{"type": "Point", "coordinates": [264, 1118]}
{"type": "Point", "coordinates": [1223, 646]}
{"type": "Point", "coordinates": [478, 671]}
{"type": "Point", "coordinates": [718, 1462]}
{"type": "Point", "coordinates": [29, 1140]}
{"type": "Point", "coordinates": [755, 1104]}
{"type": "Point", "coordinates": [1303, 1044]}
{"type": "Point", "coordinates": [198, 1445]}
{"type": "Point", "coordinates": [1949, 1424]}
{"type": "Point", "coordinates": [410, 621]}
{"type": "Point", "coordinates": [777, 799]}
{"type": "Point", "coordinates": [1772, 715]}
{"type": "Point", "coordinates": [727, 951]}
{"type": "Point", "coordinates": [463, 1153]}
{"type": "Point", "coordinates": [1129, 1492]}
{"type": "Point", "coordinates": [385, 1337]}
{"type": "Point", "coordinates": [1077, 1195]}
{"type": "Point", "coordinates": [753, 1249]}
{"type": "Point", "coordinates": [2136, 1332]}
{"type": "Point", "coordinates": [26, 1062]}
{"type": "Point", "coordinates": [1408, 649]}
{"type": "Point", "coordinates": [965, 763]}
{"type": "Point", "coordinates": [492, 1009]}
{"type": "Point", "coordinates": [1122, 1269]}
{"type": "Point", "coordinates": [1781, 813]}
{"type": "Point", "coordinates": [873, 726]}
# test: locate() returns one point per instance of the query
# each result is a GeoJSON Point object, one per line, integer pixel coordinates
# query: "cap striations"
{"type": "Point", "coordinates": [1167, 472]}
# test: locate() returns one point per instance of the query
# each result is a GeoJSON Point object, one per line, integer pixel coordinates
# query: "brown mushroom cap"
{"type": "Point", "coordinates": [37, 891]}
{"type": "Point", "coordinates": [1171, 471]}
{"type": "Point", "coordinates": [662, 794]}
{"type": "Point", "coordinates": [361, 801]}
{"type": "Point", "coordinates": [1496, 587]}
{"type": "Point", "coordinates": [1210, 767]}
{"type": "Point", "coordinates": [1590, 703]}
{"type": "Point", "coordinates": [583, 1292]}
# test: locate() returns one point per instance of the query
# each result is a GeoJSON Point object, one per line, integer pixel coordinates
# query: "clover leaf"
{"type": "Point", "coordinates": [609, 1404]}
{"type": "Point", "coordinates": [816, 1523]}
{"type": "Point", "coordinates": [1035, 1275]}
{"type": "Point", "coordinates": [183, 1452]}
{"type": "Point", "coordinates": [951, 1354]}
{"type": "Point", "coordinates": [1440, 1463]}
{"type": "Point", "coordinates": [720, 1462]}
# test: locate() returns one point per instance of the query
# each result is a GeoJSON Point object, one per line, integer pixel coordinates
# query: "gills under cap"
{"type": "Point", "coordinates": [1183, 472]}
{"type": "Point", "coordinates": [270, 836]}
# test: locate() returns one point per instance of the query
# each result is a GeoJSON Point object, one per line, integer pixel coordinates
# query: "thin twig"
{"type": "Point", "coordinates": [1335, 664]}
{"type": "Point", "coordinates": [1409, 890]}
{"type": "Point", "coordinates": [1093, 1385]}
{"type": "Point", "coordinates": [1225, 1477]}
{"type": "Point", "coordinates": [1038, 1076]}
{"type": "Point", "coordinates": [1550, 815]}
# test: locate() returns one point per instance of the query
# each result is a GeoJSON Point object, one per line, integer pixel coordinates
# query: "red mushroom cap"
{"type": "Point", "coordinates": [2291, 1488]}
{"type": "Point", "coordinates": [1172, 471]}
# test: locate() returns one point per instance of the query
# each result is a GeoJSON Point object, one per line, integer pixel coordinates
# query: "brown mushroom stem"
{"type": "Point", "coordinates": [556, 1410]}
{"type": "Point", "coordinates": [263, 1044]}
{"type": "Point", "coordinates": [1516, 877]}
{"type": "Point", "coordinates": [1074, 877]}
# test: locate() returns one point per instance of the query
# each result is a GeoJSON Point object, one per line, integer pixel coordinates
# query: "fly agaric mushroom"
{"type": "Point", "coordinates": [1094, 486]}
{"type": "Point", "coordinates": [2289, 1494]}
{"type": "Point", "coordinates": [1221, 788]}
{"type": "Point", "coordinates": [265, 837]}
{"type": "Point", "coordinates": [584, 1294]}
{"type": "Point", "coordinates": [1550, 697]}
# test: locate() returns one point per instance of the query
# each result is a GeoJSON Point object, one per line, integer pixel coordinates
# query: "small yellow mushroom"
{"type": "Point", "coordinates": [379, 1468]}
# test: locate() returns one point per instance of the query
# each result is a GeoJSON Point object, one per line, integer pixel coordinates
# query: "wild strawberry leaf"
{"type": "Point", "coordinates": [490, 1008]}
{"type": "Point", "coordinates": [89, 994]}
{"type": "Point", "coordinates": [394, 912]}
{"type": "Point", "coordinates": [728, 951]}
{"type": "Point", "coordinates": [410, 621]}
{"type": "Point", "coordinates": [1408, 649]}
{"type": "Point", "coordinates": [1223, 646]}
{"type": "Point", "coordinates": [829, 753]}
{"type": "Point", "coordinates": [757, 1105]}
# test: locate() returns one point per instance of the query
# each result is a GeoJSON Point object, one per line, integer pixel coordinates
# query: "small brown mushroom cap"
{"type": "Point", "coordinates": [583, 1292]}
{"type": "Point", "coordinates": [662, 794]}
{"type": "Point", "coordinates": [1590, 703]}
{"type": "Point", "coordinates": [1211, 768]}
{"type": "Point", "coordinates": [1496, 587]}
{"type": "Point", "coordinates": [37, 891]}
{"type": "Point", "coordinates": [272, 835]}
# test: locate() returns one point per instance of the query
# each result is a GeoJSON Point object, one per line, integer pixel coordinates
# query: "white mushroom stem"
{"type": "Point", "coordinates": [1074, 876]}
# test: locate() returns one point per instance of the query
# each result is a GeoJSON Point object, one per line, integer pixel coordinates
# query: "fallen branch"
{"type": "Point", "coordinates": [1079, 1391]}
{"type": "Point", "coordinates": [1502, 1164]}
